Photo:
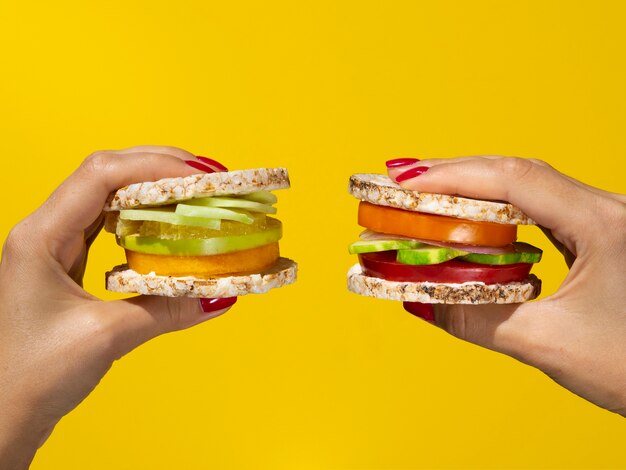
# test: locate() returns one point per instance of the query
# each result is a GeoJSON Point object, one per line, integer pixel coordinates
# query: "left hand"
{"type": "Point", "coordinates": [56, 340]}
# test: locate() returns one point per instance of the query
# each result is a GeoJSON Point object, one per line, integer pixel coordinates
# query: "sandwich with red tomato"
{"type": "Point", "coordinates": [209, 235]}
{"type": "Point", "coordinates": [422, 248]}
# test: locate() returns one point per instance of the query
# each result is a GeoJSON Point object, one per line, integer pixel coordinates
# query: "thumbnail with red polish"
{"type": "Point", "coordinates": [423, 311]}
{"type": "Point", "coordinates": [199, 166]}
{"type": "Point", "coordinates": [213, 305]}
{"type": "Point", "coordinates": [212, 162]}
{"type": "Point", "coordinates": [399, 162]}
{"type": "Point", "coordinates": [411, 173]}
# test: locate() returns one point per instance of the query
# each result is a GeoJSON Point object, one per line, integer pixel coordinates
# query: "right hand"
{"type": "Point", "coordinates": [577, 336]}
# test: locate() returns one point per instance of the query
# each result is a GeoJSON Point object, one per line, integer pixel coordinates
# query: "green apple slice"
{"type": "Point", "coordinates": [428, 255]}
{"type": "Point", "coordinates": [146, 228]}
{"type": "Point", "coordinates": [203, 246]}
{"type": "Point", "coordinates": [169, 217]}
{"type": "Point", "coordinates": [264, 197]}
{"type": "Point", "coordinates": [370, 246]}
{"type": "Point", "coordinates": [213, 213]}
{"type": "Point", "coordinates": [233, 202]}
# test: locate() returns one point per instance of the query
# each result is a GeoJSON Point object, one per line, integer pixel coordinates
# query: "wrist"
{"type": "Point", "coordinates": [21, 434]}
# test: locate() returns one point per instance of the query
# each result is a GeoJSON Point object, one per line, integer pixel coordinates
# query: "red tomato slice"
{"type": "Point", "coordinates": [434, 227]}
{"type": "Point", "coordinates": [383, 265]}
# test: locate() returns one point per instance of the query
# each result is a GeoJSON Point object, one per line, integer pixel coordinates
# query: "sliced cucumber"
{"type": "Point", "coordinates": [520, 253]}
{"type": "Point", "coordinates": [169, 217]}
{"type": "Point", "coordinates": [428, 254]}
{"type": "Point", "coordinates": [370, 246]}
{"type": "Point", "coordinates": [213, 213]}
{"type": "Point", "coordinates": [237, 203]}
{"type": "Point", "coordinates": [203, 246]}
{"type": "Point", "coordinates": [264, 197]}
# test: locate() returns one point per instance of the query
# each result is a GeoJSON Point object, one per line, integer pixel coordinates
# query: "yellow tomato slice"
{"type": "Point", "coordinates": [249, 261]}
{"type": "Point", "coordinates": [434, 227]}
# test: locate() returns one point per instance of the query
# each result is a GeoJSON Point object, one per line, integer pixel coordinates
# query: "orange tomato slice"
{"type": "Point", "coordinates": [249, 261]}
{"type": "Point", "coordinates": [434, 227]}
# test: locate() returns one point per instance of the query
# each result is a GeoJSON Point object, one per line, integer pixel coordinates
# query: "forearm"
{"type": "Point", "coordinates": [20, 435]}
{"type": "Point", "coordinates": [15, 458]}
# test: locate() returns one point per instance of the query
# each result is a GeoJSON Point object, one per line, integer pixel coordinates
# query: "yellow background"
{"type": "Point", "coordinates": [311, 376]}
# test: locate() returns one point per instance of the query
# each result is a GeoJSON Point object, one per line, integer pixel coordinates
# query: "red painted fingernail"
{"type": "Point", "coordinates": [412, 173]}
{"type": "Point", "coordinates": [199, 166]}
{"type": "Point", "coordinates": [212, 305]}
{"type": "Point", "coordinates": [215, 163]}
{"type": "Point", "coordinates": [423, 311]}
{"type": "Point", "coordinates": [398, 162]}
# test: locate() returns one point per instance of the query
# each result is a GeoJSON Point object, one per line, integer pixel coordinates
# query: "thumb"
{"type": "Point", "coordinates": [504, 328]}
{"type": "Point", "coordinates": [134, 321]}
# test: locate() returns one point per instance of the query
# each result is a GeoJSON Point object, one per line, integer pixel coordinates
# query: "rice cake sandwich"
{"type": "Point", "coordinates": [208, 235]}
{"type": "Point", "coordinates": [422, 248]}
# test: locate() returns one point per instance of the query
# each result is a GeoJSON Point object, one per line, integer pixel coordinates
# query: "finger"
{"type": "Point", "coordinates": [503, 328]}
{"type": "Point", "coordinates": [134, 321]}
{"type": "Point", "coordinates": [163, 149]}
{"type": "Point", "coordinates": [78, 202]}
{"type": "Point", "coordinates": [180, 153]}
{"type": "Point", "coordinates": [213, 164]}
{"type": "Point", "coordinates": [540, 191]}
{"type": "Point", "coordinates": [394, 172]}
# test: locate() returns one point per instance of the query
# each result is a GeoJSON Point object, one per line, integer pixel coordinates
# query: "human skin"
{"type": "Point", "coordinates": [56, 340]}
{"type": "Point", "coordinates": [576, 335]}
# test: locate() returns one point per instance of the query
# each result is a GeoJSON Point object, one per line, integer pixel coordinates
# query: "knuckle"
{"type": "Point", "coordinates": [98, 162]}
{"type": "Point", "coordinates": [516, 167]}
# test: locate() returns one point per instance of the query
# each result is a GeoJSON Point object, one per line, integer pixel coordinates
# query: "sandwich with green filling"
{"type": "Point", "coordinates": [205, 235]}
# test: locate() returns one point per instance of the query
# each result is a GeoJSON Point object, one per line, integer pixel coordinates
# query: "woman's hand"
{"type": "Point", "coordinates": [578, 335]}
{"type": "Point", "coordinates": [56, 340]}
